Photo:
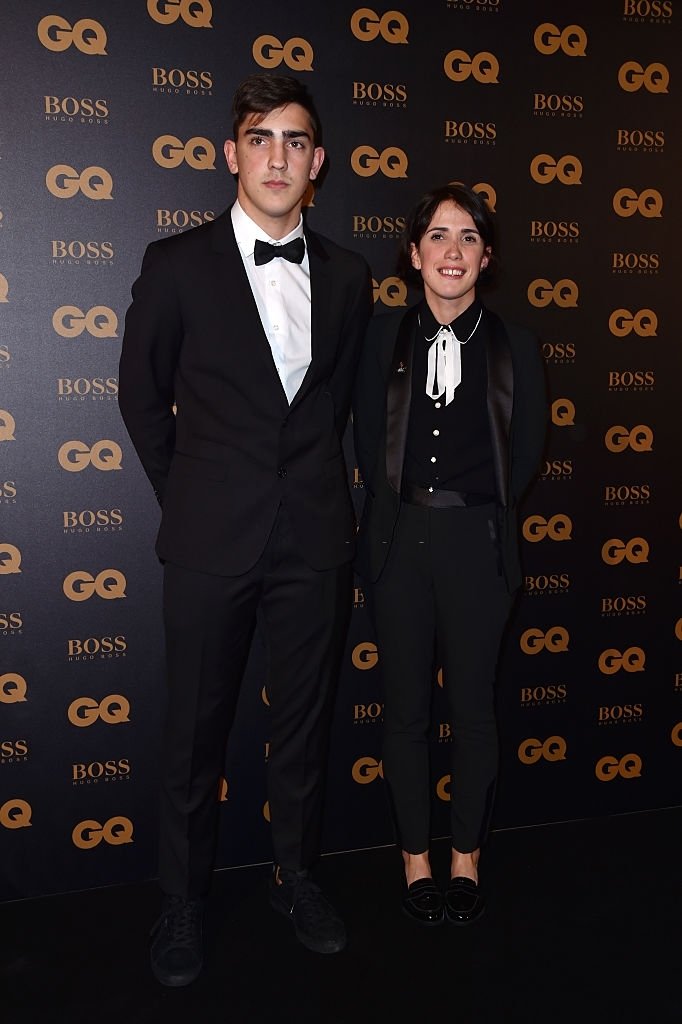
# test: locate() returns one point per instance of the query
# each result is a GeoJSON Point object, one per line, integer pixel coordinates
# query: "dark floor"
{"type": "Point", "coordinates": [584, 924]}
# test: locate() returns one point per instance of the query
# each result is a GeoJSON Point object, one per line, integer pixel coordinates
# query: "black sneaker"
{"type": "Point", "coordinates": [175, 948]}
{"type": "Point", "coordinates": [317, 925]}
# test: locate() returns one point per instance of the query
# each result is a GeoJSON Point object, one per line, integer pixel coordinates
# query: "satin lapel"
{"type": "Point", "coordinates": [320, 311]}
{"type": "Point", "coordinates": [500, 400]}
{"type": "Point", "coordinates": [241, 309]}
{"type": "Point", "coordinates": [398, 396]}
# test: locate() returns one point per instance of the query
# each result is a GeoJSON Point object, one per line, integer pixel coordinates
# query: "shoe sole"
{"type": "Point", "coordinates": [423, 923]}
{"type": "Point", "coordinates": [462, 924]}
{"type": "Point", "coordinates": [285, 912]}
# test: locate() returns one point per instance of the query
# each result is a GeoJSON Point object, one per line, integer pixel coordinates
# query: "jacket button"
{"type": "Point", "coordinates": [282, 471]}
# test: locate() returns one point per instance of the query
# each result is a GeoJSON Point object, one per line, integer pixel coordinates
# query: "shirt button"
{"type": "Point", "coordinates": [274, 284]}
{"type": "Point", "coordinates": [275, 327]}
{"type": "Point", "coordinates": [433, 458]}
{"type": "Point", "coordinates": [282, 471]}
{"type": "Point", "coordinates": [437, 405]}
{"type": "Point", "coordinates": [431, 490]}
{"type": "Point", "coordinates": [436, 433]}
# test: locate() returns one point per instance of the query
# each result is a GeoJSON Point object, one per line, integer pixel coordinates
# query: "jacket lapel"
{"type": "Point", "coordinates": [398, 398]}
{"type": "Point", "coordinates": [320, 301]}
{"type": "Point", "coordinates": [500, 400]}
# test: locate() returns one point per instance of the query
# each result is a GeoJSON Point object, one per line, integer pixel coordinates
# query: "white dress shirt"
{"type": "Point", "coordinates": [282, 293]}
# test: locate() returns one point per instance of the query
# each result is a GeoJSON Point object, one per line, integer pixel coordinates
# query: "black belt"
{"type": "Point", "coordinates": [434, 498]}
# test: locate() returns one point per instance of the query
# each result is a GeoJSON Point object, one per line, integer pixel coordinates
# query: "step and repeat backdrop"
{"type": "Point", "coordinates": [111, 133]}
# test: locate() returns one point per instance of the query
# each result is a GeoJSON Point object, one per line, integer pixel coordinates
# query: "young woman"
{"type": "Point", "coordinates": [449, 428]}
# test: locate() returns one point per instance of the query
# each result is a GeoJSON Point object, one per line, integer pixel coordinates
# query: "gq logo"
{"type": "Point", "coordinates": [366, 770]}
{"type": "Point", "coordinates": [649, 203]}
{"type": "Point", "coordinates": [70, 322]}
{"type": "Point", "coordinates": [644, 323]}
{"type": "Point", "coordinates": [391, 291]}
{"type": "Point", "coordinates": [64, 182]}
{"type": "Point", "coordinates": [109, 584]}
{"type": "Point", "coordinates": [676, 734]}
{"type": "Point", "coordinates": [615, 551]}
{"type": "Point", "coordinates": [537, 528]}
{"type": "Point", "coordinates": [563, 412]}
{"type": "Point", "coordinates": [639, 439]}
{"type": "Point", "coordinates": [12, 688]}
{"type": "Point", "coordinates": [542, 293]}
{"type": "Point", "coordinates": [366, 25]}
{"type": "Point", "coordinates": [4, 289]}
{"type": "Point", "coordinates": [552, 749]}
{"type": "Point", "coordinates": [545, 168]}
{"type": "Point", "coordinates": [7, 426]}
{"type": "Point", "coordinates": [548, 39]}
{"type": "Point", "coordinates": [631, 660]}
{"type": "Point", "coordinates": [628, 767]}
{"type": "Point", "coordinates": [365, 656]}
{"type": "Point", "coordinates": [392, 162]}
{"type": "Point", "coordinates": [654, 77]}
{"type": "Point", "coordinates": [484, 66]}
{"type": "Point", "coordinates": [195, 13]}
{"type": "Point", "coordinates": [89, 833]}
{"type": "Point", "coordinates": [15, 814]}
{"type": "Point", "coordinates": [75, 456]}
{"type": "Point", "coordinates": [85, 711]}
{"type": "Point", "coordinates": [10, 559]}
{"type": "Point", "coordinates": [168, 151]}
{"type": "Point", "coordinates": [269, 52]}
{"type": "Point", "coordinates": [555, 640]}
{"type": "Point", "coordinates": [88, 36]}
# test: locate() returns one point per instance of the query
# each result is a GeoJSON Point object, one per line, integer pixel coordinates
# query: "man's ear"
{"type": "Point", "coordinates": [230, 151]}
{"type": "Point", "coordinates": [318, 160]}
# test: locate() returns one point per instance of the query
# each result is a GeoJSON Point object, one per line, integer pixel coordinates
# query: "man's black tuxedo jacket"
{"type": "Point", "coordinates": [236, 448]}
{"type": "Point", "coordinates": [517, 415]}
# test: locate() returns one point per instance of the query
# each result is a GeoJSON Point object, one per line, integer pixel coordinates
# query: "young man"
{"type": "Point", "coordinates": [252, 326]}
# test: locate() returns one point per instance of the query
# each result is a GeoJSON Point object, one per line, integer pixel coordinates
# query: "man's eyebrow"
{"type": "Point", "coordinates": [288, 133]}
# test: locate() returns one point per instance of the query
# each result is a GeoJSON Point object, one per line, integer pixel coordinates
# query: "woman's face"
{"type": "Point", "coordinates": [450, 256]}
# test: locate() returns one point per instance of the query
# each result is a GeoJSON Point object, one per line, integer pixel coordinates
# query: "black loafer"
{"type": "Point", "coordinates": [176, 953]}
{"type": "Point", "coordinates": [423, 902]}
{"type": "Point", "coordinates": [317, 925]}
{"type": "Point", "coordinates": [463, 901]}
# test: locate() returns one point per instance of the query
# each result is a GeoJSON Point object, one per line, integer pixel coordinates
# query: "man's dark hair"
{"type": "Point", "coordinates": [423, 213]}
{"type": "Point", "coordinates": [261, 94]}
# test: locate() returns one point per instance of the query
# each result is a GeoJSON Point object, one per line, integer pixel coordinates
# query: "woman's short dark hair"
{"type": "Point", "coordinates": [423, 213]}
{"type": "Point", "coordinates": [261, 94]}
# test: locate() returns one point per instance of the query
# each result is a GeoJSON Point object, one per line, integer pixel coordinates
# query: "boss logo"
{"type": "Point", "coordinates": [615, 714]}
{"type": "Point", "coordinates": [543, 293]}
{"type": "Point", "coordinates": [537, 528]}
{"type": "Point", "coordinates": [557, 469]}
{"type": "Point", "coordinates": [632, 604]}
{"type": "Point", "coordinates": [367, 712]}
{"type": "Point", "coordinates": [84, 521]}
{"type": "Point", "coordinates": [87, 35]}
{"type": "Point", "coordinates": [388, 94]}
{"type": "Point", "coordinates": [109, 584]}
{"type": "Point", "coordinates": [8, 491]}
{"type": "Point", "coordinates": [269, 52]}
{"type": "Point", "coordinates": [175, 79]}
{"type": "Point", "coordinates": [169, 152]}
{"type": "Point", "coordinates": [614, 551]}
{"type": "Point", "coordinates": [638, 439]}
{"type": "Point", "coordinates": [549, 39]}
{"type": "Point", "coordinates": [373, 225]}
{"type": "Point", "coordinates": [644, 323]}
{"type": "Point", "coordinates": [559, 351]}
{"type": "Point", "coordinates": [85, 711]}
{"type": "Point", "coordinates": [392, 162]}
{"type": "Point", "coordinates": [635, 380]}
{"type": "Point", "coordinates": [366, 770]}
{"type": "Point", "coordinates": [633, 659]}
{"type": "Point", "coordinates": [566, 169]}
{"type": "Point", "coordinates": [647, 9]}
{"type": "Point", "coordinates": [75, 456]}
{"type": "Point", "coordinates": [563, 412]}
{"type": "Point", "coordinates": [70, 322]}
{"type": "Point", "coordinates": [358, 597]}
{"type": "Point", "coordinates": [654, 77]}
{"type": "Point", "coordinates": [552, 749]}
{"type": "Point", "coordinates": [357, 477]}
{"type": "Point", "coordinates": [97, 388]}
{"type": "Point", "coordinates": [182, 219]}
{"type": "Point", "coordinates": [554, 230]}
{"type": "Point", "coordinates": [550, 694]}
{"type": "Point", "coordinates": [609, 768]}
{"type": "Point", "coordinates": [555, 583]}
{"type": "Point", "coordinates": [484, 67]}
{"type": "Point", "coordinates": [110, 771]}
{"type": "Point", "coordinates": [635, 262]}
{"type": "Point", "coordinates": [555, 640]}
{"type": "Point", "coordinates": [13, 688]}
{"type": "Point", "coordinates": [4, 289]}
{"type": "Point", "coordinates": [4, 357]}
{"type": "Point", "coordinates": [633, 139]}
{"type": "Point", "coordinates": [195, 13]}
{"type": "Point", "coordinates": [366, 25]}
{"type": "Point", "coordinates": [96, 646]}
{"type": "Point", "coordinates": [552, 104]}
{"type": "Point", "coordinates": [391, 291]}
{"type": "Point", "coordinates": [70, 107]}
{"type": "Point", "coordinates": [10, 559]}
{"type": "Point", "coordinates": [627, 494]}
{"type": "Point", "coordinates": [115, 831]}
{"type": "Point", "coordinates": [7, 426]}
{"type": "Point", "coordinates": [13, 751]}
{"type": "Point", "coordinates": [64, 182]}
{"type": "Point", "coordinates": [627, 202]}
{"type": "Point", "coordinates": [16, 814]}
{"type": "Point", "coordinates": [478, 132]}
{"type": "Point", "coordinates": [75, 250]}
{"type": "Point", "coordinates": [365, 656]}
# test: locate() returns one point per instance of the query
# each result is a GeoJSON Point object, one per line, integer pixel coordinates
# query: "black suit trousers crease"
{"type": "Point", "coordinates": [441, 599]}
{"type": "Point", "coordinates": [209, 622]}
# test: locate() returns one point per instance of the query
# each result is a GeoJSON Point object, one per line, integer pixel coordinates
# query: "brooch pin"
{"type": "Point", "coordinates": [401, 368]}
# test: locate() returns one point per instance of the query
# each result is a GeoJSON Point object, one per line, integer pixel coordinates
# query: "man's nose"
{"type": "Point", "coordinates": [278, 154]}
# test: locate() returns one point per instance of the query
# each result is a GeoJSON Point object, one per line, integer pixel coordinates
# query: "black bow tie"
{"type": "Point", "coordinates": [293, 251]}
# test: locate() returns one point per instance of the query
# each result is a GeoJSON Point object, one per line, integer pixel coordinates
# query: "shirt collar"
{"type": "Point", "coordinates": [462, 325]}
{"type": "Point", "coordinates": [246, 231]}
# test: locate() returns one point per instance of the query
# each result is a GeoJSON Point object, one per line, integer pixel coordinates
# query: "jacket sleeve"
{"type": "Point", "coordinates": [357, 312]}
{"type": "Point", "coordinates": [369, 405]}
{"type": "Point", "coordinates": [151, 345]}
{"type": "Point", "coordinates": [530, 412]}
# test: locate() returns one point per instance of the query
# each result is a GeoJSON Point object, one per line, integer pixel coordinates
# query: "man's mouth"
{"type": "Point", "coordinates": [451, 272]}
